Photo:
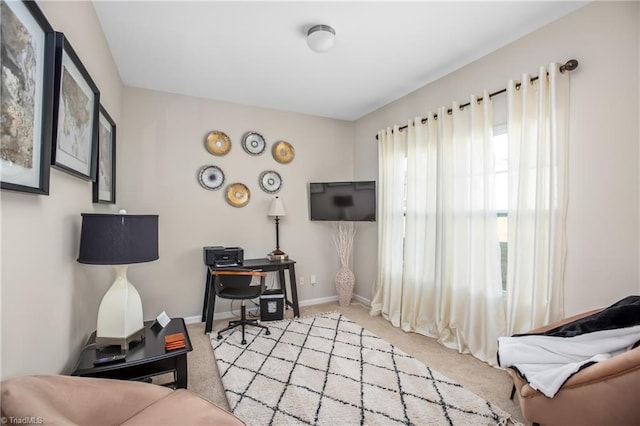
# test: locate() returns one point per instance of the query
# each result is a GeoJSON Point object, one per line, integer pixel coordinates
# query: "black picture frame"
{"type": "Point", "coordinates": [104, 187]}
{"type": "Point", "coordinates": [27, 107]}
{"type": "Point", "coordinates": [76, 108]}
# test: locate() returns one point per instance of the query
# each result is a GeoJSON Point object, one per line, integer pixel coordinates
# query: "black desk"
{"type": "Point", "coordinates": [262, 264]}
{"type": "Point", "coordinates": [144, 359]}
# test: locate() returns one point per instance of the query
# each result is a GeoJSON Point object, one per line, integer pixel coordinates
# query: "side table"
{"type": "Point", "coordinates": [144, 359]}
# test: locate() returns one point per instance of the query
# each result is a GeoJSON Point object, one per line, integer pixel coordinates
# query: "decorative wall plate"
{"type": "Point", "coordinates": [270, 181]}
{"type": "Point", "coordinates": [238, 194]}
{"type": "Point", "coordinates": [218, 143]}
{"type": "Point", "coordinates": [282, 152]}
{"type": "Point", "coordinates": [253, 143]}
{"type": "Point", "coordinates": [211, 177]}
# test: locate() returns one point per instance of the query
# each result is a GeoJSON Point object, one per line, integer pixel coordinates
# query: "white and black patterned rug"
{"type": "Point", "coordinates": [328, 370]}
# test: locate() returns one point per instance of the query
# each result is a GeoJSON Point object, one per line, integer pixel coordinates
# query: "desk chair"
{"type": "Point", "coordinates": [236, 284]}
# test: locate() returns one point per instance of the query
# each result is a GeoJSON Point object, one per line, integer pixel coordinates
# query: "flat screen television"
{"type": "Point", "coordinates": [343, 201]}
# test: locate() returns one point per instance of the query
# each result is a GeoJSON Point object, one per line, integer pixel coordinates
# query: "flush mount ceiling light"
{"type": "Point", "coordinates": [320, 38]}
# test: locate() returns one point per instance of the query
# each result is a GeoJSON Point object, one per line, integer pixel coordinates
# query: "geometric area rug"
{"type": "Point", "coordinates": [328, 370]}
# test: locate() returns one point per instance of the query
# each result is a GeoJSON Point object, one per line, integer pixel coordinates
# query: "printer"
{"type": "Point", "coordinates": [219, 257]}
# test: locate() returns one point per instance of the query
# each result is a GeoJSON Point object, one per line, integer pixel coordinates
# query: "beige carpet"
{"type": "Point", "coordinates": [489, 383]}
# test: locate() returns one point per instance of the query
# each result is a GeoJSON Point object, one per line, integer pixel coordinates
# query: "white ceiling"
{"type": "Point", "coordinates": [255, 53]}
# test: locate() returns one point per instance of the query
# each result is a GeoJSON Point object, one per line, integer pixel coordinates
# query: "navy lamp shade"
{"type": "Point", "coordinates": [119, 240]}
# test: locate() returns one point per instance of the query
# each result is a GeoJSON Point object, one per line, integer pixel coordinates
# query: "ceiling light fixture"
{"type": "Point", "coordinates": [320, 38]}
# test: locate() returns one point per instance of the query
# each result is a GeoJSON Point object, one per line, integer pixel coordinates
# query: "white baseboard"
{"type": "Point", "coordinates": [366, 302]}
{"type": "Point", "coordinates": [308, 302]}
{"type": "Point", "coordinates": [197, 318]}
{"type": "Point", "coordinates": [192, 320]}
{"type": "Point", "coordinates": [319, 300]}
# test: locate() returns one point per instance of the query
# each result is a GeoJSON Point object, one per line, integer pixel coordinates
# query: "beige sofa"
{"type": "Point", "coordinates": [66, 400]}
{"type": "Point", "coordinates": [606, 393]}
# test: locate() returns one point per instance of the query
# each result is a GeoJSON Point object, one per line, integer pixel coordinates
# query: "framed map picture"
{"type": "Point", "coordinates": [104, 187]}
{"type": "Point", "coordinates": [75, 114]}
{"type": "Point", "coordinates": [27, 54]}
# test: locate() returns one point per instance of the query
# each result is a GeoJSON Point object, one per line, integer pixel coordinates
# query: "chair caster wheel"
{"type": "Point", "coordinates": [219, 337]}
{"type": "Point", "coordinates": [244, 342]}
{"type": "Point", "coordinates": [267, 332]}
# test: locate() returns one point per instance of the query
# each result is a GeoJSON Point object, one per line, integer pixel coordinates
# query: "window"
{"type": "Point", "coordinates": [501, 148]}
{"type": "Point", "coordinates": [501, 156]}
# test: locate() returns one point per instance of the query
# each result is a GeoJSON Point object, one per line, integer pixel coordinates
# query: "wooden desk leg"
{"type": "Point", "coordinates": [294, 290]}
{"type": "Point", "coordinates": [207, 290]}
{"type": "Point", "coordinates": [283, 286]}
{"type": "Point", "coordinates": [212, 303]}
{"type": "Point", "coordinates": [181, 371]}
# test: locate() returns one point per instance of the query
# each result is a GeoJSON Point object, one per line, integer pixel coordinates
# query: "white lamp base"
{"type": "Point", "coordinates": [120, 314]}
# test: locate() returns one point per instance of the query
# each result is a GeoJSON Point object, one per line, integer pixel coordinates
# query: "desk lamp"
{"type": "Point", "coordinates": [119, 240]}
{"type": "Point", "coordinates": [276, 210]}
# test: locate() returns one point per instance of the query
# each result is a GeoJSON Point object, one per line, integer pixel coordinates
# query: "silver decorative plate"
{"type": "Point", "coordinates": [270, 181]}
{"type": "Point", "coordinates": [253, 143]}
{"type": "Point", "coordinates": [211, 177]}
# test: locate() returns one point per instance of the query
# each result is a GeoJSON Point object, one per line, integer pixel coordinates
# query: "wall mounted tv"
{"type": "Point", "coordinates": [343, 201]}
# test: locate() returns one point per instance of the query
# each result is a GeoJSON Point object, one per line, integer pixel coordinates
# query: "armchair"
{"type": "Point", "coordinates": [605, 393]}
{"type": "Point", "coordinates": [71, 400]}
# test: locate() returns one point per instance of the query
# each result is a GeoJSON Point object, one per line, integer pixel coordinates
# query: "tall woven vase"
{"type": "Point", "coordinates": [345, 280]}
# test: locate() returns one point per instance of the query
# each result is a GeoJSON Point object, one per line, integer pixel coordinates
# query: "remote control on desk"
{"type": "Point", "coordinates": [109, 358]}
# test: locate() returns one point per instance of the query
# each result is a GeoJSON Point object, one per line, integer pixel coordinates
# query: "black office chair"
{"type": "Point", "coordinates": [236, 284]}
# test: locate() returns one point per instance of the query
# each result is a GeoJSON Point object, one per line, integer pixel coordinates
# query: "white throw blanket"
{"type": "Point", "coordinates": [547, 362]}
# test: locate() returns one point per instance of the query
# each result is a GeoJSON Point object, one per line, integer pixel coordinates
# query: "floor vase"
{"type": "Point", "coordinates": [345, 279]}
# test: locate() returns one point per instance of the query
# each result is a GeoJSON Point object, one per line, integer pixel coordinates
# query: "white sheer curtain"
{"type": "Point", "coordinates": [392, 149]}
{"type": "Point", "coordinates": [441, 276]}
{"type": "Point", "coordinates": [538, 116]}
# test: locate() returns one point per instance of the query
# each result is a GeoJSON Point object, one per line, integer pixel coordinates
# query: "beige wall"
{"type": "Point", "coordinates": [160, 167]}
{"type": "Point", "coordinates": [49, 301]}
{"type": "Point", "coordinates": [602, 223]}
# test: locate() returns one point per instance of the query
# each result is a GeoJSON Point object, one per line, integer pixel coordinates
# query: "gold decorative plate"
{"type": "Point", "coordinates": [283, 152]}
{"type": "Point", "coordinates": [218, 143]}
{"type": "Point", "coordinates": [238, 194]}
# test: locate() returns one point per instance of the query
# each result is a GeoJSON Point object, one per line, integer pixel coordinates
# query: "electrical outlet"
{"type": "Point", "coordinates": [301, 281]}
{"type": "Point", "coordinates": [312, 279]}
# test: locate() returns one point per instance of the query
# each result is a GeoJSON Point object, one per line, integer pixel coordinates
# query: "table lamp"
{"type": "Point", "coordinates": [119, 240]}
{"type": "Point", "coordinates": [276, 210]}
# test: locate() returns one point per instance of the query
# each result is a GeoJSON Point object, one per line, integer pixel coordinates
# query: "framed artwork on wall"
{"type": "Point", "coordinates": [104, 187]}
{"type": "Point", "coordinates": [27, 46]}
{"type": "Point", "coordinates": [76, 108]}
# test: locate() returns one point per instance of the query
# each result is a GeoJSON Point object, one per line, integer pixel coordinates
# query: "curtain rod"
{"type": "Point", "coordinates": [570, 65]}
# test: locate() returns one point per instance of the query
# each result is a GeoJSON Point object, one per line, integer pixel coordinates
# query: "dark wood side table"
{"type": "Point", "coordinates": [262, 264]}
{"type": "Point", "coordinates": [144, 359]}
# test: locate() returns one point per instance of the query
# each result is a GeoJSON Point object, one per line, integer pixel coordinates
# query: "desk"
{"type": "Point", "coordinates": [262, 264]}
{"type": "Point", "coordinates": [144, 359]}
